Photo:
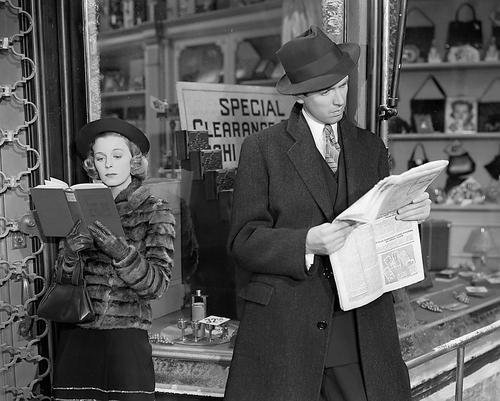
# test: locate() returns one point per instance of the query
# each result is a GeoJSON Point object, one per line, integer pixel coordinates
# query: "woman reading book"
{"type": "Point", "coordinates": [110, 357]}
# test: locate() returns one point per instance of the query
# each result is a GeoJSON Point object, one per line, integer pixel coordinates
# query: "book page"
{"type": "Point", "coordinates": [89, 185]}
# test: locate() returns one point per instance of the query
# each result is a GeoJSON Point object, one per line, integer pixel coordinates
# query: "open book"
{"type": "Point", "coordinates": [382, 254]}
{"type": "Point", "coordinates": [58, 207]}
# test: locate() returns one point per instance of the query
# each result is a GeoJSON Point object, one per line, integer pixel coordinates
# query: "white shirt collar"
{"type": "Point", "coordinates": [317, 131]}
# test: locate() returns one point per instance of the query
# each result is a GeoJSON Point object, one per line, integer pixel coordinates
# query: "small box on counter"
{"type": "Point", "coordinates": [448, 274]}
{"type": "Point", "coordinates": [477, 291]}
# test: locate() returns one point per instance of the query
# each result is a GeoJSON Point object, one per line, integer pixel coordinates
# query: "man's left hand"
{"type": "Point", "coordinates": [418, 210]}
{"type": "Point", "coordinates": [113, 246]}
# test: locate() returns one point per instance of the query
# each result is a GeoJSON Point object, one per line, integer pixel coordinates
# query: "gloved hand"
{"type": "Point", "coordinates": [111, 245]}
{"type": "Point", "coordinates": [76, 241]}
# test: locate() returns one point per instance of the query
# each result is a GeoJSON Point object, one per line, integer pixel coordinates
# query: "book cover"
{"type": "Point", "coordinates": [59, 207]}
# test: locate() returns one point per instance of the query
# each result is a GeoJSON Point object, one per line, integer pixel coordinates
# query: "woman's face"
{"type": "Point", "coordinates": [112, 160]}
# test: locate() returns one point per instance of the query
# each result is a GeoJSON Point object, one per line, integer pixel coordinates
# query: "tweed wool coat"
{"type": "Point", "coordinates": [280, 193]}
{"type": "Point", "coordinates": [121, 291]}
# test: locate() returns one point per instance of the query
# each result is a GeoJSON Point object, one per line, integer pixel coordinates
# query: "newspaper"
{"type": "Point", "coordinates": [382, 254]}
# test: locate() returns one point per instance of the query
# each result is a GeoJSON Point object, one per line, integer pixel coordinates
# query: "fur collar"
{"type": "Point", "coordinates": [131, 197]}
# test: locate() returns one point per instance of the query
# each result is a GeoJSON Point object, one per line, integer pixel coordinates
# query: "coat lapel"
{"type": "Point", "coordinates": [355, 157]}
{"type": "Point", "coordinates": [303, 154]}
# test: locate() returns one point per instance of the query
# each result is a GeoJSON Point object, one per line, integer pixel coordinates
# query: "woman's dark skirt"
{"type": "Point", "coordinates": [113, 364]}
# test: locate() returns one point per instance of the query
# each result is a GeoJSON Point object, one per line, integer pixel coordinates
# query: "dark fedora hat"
{"type": "Point", "coordinates": [92, 130]}
{"type": "Point", "coordinates": [312, 61]}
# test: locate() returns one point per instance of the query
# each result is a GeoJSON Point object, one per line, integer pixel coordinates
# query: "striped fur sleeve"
{"type": "Point", "coordinates": [148, 273]}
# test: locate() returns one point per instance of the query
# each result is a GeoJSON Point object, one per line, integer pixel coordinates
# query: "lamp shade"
{"type": "Point", "coordinates": [480, 241]}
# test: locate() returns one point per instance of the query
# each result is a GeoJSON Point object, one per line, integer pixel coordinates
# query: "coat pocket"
{"type": "Point", "coordinates": [257, 292]}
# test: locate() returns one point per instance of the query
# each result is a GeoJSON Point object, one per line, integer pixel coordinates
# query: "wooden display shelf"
{"type": "Point", "coordinates": [449, 66]}
{"type": "Point", "coordinates": [481, 207]}
{"type": "Point", "coordinates": [444, 136]}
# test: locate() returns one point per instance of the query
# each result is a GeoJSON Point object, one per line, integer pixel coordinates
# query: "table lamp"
{"type": "Point", "coordinates": [479, 243]}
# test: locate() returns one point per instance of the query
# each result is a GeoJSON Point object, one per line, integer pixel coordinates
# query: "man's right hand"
{"type": "Point", "coordinates": [328, 237]}
{"type": "Point", "coordinates": [76, 241]}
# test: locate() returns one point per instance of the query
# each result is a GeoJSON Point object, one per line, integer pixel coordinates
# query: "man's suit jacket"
{"type": "Point", "coordinates": [280, 193]}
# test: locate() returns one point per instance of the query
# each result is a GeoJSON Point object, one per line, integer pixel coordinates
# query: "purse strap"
{"type": "Point", "coordinates": [418, 10]}
{"type": "Point", "coordinates": [433, 78]}
{"type": "Point", "coordinates": [76, 275]}
{"type": "Point", "coordinates": [422, 149]}
{"type": "Point", "coordinates": [488, 88]}
{"type": "Point", "coordinates": [461, 7]}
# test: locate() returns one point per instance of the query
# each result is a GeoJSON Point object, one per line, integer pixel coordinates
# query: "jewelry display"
{"type": "Point", "coordinates": [425, 303]}
{"type": "Point", "coordinates": [461, 297]}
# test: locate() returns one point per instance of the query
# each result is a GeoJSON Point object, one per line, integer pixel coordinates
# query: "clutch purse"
{"type": "Point", "coordinates": [67, 302]}
{"type": "Point", "coordinates": [417, 161]}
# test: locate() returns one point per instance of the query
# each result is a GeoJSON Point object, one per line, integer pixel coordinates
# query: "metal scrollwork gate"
{"type": "Point", "coordinates": [22, 281]}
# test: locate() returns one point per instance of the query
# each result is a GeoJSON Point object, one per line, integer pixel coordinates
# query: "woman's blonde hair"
{"type": "Point", "coordinates": [138, 163]}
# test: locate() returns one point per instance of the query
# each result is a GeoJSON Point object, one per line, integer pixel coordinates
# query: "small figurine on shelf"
{"type": "Point", "coordinates": [492, 51]}
{"type": "Point", "coordinates": [434, 56]}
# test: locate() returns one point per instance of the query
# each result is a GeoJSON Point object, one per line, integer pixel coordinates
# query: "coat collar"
{"type": "Point", "coordinates": [131, 197]}
{"type": "Point", "coordinates": [309, 167]}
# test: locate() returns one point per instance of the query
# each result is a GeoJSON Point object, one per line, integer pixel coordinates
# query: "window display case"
{"type": "Point", "coordinates": [142, 59]}
{"type": "Point", "coordinates": [445, 80]}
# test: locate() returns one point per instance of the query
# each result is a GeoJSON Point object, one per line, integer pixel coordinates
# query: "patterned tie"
{"type": "Point", "coordinates": [332, 148]}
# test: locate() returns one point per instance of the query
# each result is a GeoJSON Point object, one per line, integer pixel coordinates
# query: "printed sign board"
{"type": "Point", "coordinates": [230, 113]}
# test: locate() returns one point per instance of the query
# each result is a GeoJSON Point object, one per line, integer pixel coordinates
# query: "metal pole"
{"type": "Point", "coordinates": [460, 373]}
{"type": "Point", "coordinates": [398, 51]}
{"type": "Point", "coordinates": [384, 79]}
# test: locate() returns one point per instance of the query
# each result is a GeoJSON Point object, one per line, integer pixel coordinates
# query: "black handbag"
{"type": "Point", "coordinates": [488, 108]}
{"type": "Point", "coordinates": [419, 36]}
{"type": "Point", "coordinates": [67, 302]}
{"type": "Point", "coordinates": [493, 167]}
{"type": "Point", "coordinates": [434, 107]}
{"type": "Point", "coordinates": [465, 32]}
{"type": "Point", "coordinates": [414, 162]}
{"type": "Point", "coordinates": [460, 162]}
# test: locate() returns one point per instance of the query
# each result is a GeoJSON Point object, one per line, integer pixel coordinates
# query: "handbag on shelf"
{"type": "Point", "coordinates": [67, 302]}
{"type": "Point", "coordinates": [418, 37]}
{"type": "Point", "coordinates": [431, 106]}
{"type": "Point", "coordinates": [460, 162]}
{"type": "Point", "coordinates": [493, 167]}
{"type": "Point", "coordinates": [465, 32]}
{"type": "Point", "coordinates": [488, 108]}
{"type": "Point", "coordinates": [417, 161]}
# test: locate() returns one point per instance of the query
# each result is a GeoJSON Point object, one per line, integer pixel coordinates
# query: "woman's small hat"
{"type": "Point", "coordinates": [92, 130]}
{"type": "Point", "coordinates": [312, 61]}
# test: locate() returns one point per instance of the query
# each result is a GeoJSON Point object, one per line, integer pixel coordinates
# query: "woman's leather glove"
{"type": "Point", "coordinates": [111, 245]}
{"type": "Point", "coordinates": [76, 241]}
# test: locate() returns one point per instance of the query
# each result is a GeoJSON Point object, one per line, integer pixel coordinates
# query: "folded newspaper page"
{"type": "Point", "coordinates": [382, 254]}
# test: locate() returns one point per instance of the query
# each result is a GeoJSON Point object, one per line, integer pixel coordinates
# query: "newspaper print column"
{"type": "Point", "coordinates": [22, 333]}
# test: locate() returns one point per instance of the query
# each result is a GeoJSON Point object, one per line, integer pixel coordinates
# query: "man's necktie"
{"type": "Point", "coordinates": [332, 148]}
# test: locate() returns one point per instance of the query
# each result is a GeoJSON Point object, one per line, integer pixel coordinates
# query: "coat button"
{"type": "Point", "coordinates": [322, 325]}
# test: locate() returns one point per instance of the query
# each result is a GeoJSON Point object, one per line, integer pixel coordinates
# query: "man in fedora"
{"type": "Point", "coordinates": [294, 343]}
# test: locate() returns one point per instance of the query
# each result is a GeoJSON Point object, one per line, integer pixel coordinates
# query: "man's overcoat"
{"type": "Point", "coordinates": [280, 193]}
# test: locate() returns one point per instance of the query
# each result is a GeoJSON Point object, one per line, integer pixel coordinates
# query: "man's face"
{"type": "Point", "coordinates": [327, 106]}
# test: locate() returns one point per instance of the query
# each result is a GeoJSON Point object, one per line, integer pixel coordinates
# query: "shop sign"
{"type": "Point", "coordinates": [230, 113]}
